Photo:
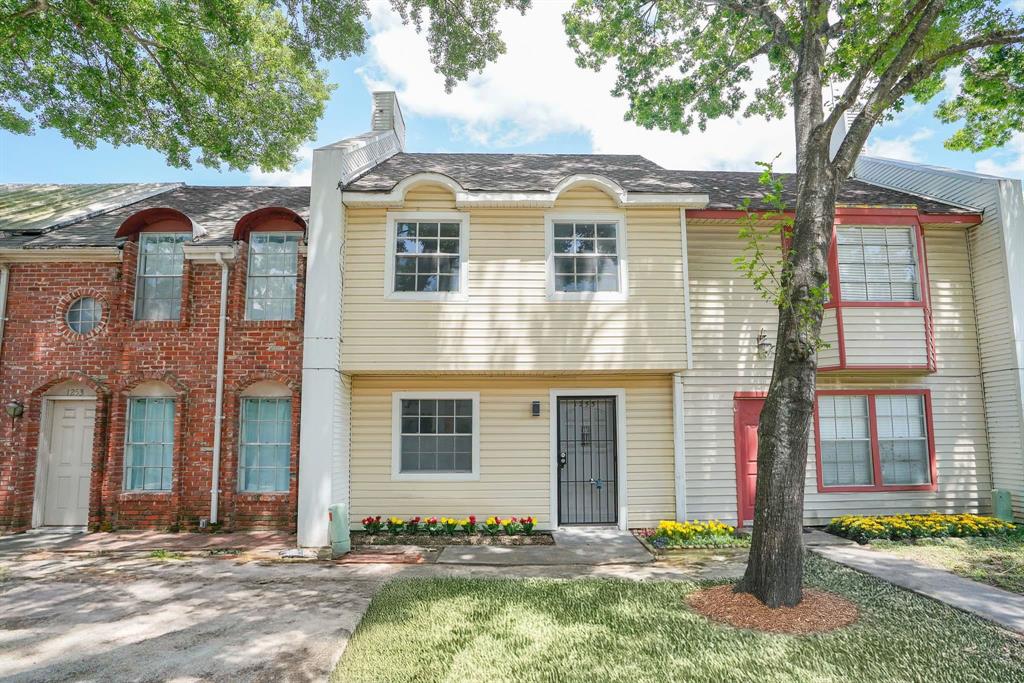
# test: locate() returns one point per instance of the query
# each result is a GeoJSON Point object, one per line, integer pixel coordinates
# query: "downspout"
{"type": "Point", "coordinates": [218, 415]}
{"type": "Point", "coordinates": [5, 274]}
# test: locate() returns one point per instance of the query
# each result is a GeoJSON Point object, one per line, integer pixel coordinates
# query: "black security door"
{"type": "Point", "coordinates": [587, 475]}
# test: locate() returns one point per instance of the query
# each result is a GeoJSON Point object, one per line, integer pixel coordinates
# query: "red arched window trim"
{"type": "Point", "coordinates": [154, 220]}
{"type": "Point", "coordinates": [269, 219]}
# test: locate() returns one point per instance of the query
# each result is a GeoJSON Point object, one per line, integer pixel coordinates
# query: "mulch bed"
{"type": "Point", "coordinates": [819, 611]}
{"type": "Point", "coordinates": [360, 538]}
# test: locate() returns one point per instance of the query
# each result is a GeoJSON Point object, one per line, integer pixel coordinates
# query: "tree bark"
{"type": "Point", "coordinates": [774, 572]}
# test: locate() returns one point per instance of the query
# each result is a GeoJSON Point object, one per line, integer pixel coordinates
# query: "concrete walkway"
{"type": "Point", "coordinates": [994, 604]}
{"type": "Point", "coordinates": [76, 540]}
{"type": "Point", "coordinates": [578, 546]}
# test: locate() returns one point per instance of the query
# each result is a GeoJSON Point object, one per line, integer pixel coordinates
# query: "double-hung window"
{"type": "Point", "coordinates": [874, 441]}
{"type": "Point", "coordinates": [158, 283]}
{"type": "Point", "coordinates": [266, 445]}
{"type": "Point", "coordinates": [272, 277]}
{"type": "Point", "coordinates": [586, 257]}
{"type": "Point", "coordinates": [427, 255]}
{"type": "Point", "coordinates": [878, 264]}
{"type": "Point", "coordinates": [149, 444]}
{"type": "Point", "coordinates": [436, 435]}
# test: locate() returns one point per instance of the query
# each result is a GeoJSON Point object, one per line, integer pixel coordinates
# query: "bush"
{"type": "Point", "coordinates": [671, 534]}
{"type": "Point", "coordinates": [864, 528]}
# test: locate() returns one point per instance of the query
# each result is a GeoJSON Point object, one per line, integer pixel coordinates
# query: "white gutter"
{"type": "Point", "coordinates": [679, 445]}
{"type": "Point", "coordinates": [687, 325]}
{"type": "Point", "coordinates": [5, 274]}
{"type": "Point", "coordinates": [218, 415]}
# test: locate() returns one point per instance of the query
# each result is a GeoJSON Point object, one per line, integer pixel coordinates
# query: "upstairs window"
{"type": "Point", "coordinates": [427, 255]}
{"type": "Point", "coordinates": [878, 264]}
{"type": "Point", "coordinates": [158, 283]}
{"type": "Point", "coordinates": [586, 257]}
{"type": "Point", "coordinates": [272, 277]}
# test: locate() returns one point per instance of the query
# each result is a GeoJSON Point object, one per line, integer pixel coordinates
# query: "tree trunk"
{"type": "Point", "coordinates": [774, 571]}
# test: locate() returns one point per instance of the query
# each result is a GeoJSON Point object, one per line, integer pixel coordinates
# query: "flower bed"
{"type": "Point", "coordinates": [864, 528]}
{"type": "Point", "coordinates": [710, 534]}
{"type": "Point", "coordinates": [441, 531]}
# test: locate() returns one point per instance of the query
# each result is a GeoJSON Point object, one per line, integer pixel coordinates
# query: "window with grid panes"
{"type": "Point", "coordinates": [158, 283]}
{"type": "Point", "coordinates": [149, 447]}
{"type": "Point", "coordinates": [84, 315]}
{"type": "Point", "coordinates": [272, 276]}
{"type": "Point", "coordinates": [903, 440]}
{"type": "Point", "coordinates": [877, 264]}
{"type": "Point", "coordinates": [586, 256]}
{"type": "Point", "coordinates": [427, 256]}
{"type": "Point", "coordinates": [436, 435]}
{"type": "Point", "coordinates": [265, 458]}
{"type": "Point", "coordinates": [844, 426]}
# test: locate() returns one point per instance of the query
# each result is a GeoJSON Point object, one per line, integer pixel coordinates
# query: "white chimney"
{"type": "Point", "coordinates": [839, 132]}
{"type": "Point", "coordinates": [387, 115]}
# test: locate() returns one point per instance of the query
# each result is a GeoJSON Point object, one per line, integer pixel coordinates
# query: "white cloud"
{"type": "Point", "coordinates": [900, 147]}
{"type": "Point", "coordinates": [536, 90]}
{"type": "Point", "coordinates": [298, 175]}
{"type": "Point", "coordinates": [1007, 163]}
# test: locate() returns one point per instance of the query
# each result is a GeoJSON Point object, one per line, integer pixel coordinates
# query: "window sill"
{"type": "Point", "coordinates": [439, 477]}
{"type": "Point", "coordinates": [141, 495]}
{"type": "Point", "coordinates": [584, 297]}
{"type": "Point", "coordinates": [263, 495]}
{"type": "Point", "coordinates": [437, 297]}
{"type": "Point", "coordinates": [896, 488]}
{"type": "Point", "coordinates": [271, 324]}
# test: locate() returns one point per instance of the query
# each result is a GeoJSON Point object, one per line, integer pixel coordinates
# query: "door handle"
{"type": "Point", "coordinates": [599, 483]}
{"type": "Point", "coordinates": [562, 459]}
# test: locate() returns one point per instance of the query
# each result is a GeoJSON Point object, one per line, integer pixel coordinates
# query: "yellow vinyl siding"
{"type": "Point", "coordinates": [515, 448]}
{"type": "Point", "coordinates": [884, 336]}
{"type": "Point", "coordinates": [727, 314]}
{"type": "Point", "coordinates": [507, 323]}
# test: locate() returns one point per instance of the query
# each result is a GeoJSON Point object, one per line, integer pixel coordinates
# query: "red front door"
{"type": "Point", "coordinates": [748, 413]}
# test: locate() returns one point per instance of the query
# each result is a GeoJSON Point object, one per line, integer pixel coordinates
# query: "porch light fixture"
{"type": "Point", "coordinates": [14, 409]}
{"type": "Point", "coordinates": [764, 347]}
{"type": "Point", "coordinates": [535, 408]}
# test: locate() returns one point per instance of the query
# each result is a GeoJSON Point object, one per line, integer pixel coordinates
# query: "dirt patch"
{"type": "Point", "coordinates": [442, 540]}
{"type": "Point", "coordinates": [817, 613]}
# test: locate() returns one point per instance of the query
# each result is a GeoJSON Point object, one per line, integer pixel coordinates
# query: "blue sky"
{"type": "Point", "coordinates": [533, 99]}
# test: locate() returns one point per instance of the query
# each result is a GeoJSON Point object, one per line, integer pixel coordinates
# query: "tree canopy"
{"type": "Point", "coordinates": [233, 82]}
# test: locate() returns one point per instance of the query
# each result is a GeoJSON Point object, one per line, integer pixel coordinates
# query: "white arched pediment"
{"type": "Point", "coordinates": [603, 183]}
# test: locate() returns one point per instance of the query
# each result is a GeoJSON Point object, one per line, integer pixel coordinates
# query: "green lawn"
{"type": "Point", "coordinates": [995, 561]}
{"type": "Point", "coordinates": [598, 630]}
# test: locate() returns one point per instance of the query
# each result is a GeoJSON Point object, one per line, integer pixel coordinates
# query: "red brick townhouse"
{"type": "Point", "coordinates": [150, 355]}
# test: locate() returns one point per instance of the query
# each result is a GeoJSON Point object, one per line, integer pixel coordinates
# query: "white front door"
{"type": "Point", "coordinates": [68, 463]}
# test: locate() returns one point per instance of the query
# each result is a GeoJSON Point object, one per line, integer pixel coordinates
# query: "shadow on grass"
{"type": "Point", "coordinates": [608, 630]}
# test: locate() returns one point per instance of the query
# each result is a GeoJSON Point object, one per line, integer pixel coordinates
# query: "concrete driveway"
{"type": "Point", "coordinates": [144, 619]}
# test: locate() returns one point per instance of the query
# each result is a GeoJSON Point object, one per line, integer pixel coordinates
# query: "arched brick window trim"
{"type": "Point", "coordinates": [154, 220]}
{"type": "Point", "coordinates": [241, 384]}
{"type": "Point", "coordinates": [270, 218]}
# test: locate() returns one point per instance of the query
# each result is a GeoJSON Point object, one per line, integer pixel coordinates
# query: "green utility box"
{"type": "Point", "coordinates": [1002, 505]}
{"type": "Point", "coordinates": [338, 529]}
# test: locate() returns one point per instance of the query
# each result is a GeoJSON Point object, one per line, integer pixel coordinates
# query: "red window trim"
{"type": "Point", "coordinates": [268, 219]}
{"type": "Point", "coordinates": [868, 218]}
{"type": "Point", "coordinates": [159, 219]}
{"type": "Point", "coordinates": [876, 460]}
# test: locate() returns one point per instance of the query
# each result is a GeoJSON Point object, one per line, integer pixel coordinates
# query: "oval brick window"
{"type": "Point", "coordinates": [84, 315]}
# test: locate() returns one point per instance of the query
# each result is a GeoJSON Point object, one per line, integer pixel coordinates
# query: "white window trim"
{"type": "Point", "coordinates": [620, 247]}
{"type": "Point", "coordinates": [396, 437]}
{"type": "Point", "coordinates": [393, 217]}
{"type": "Point", "coordinates": [620, 432]}
{"type": "Point", "coordinates": [914, 252]}
{"type": "Point", "coordinates": [138, 274]}
{"type": "Point", "coordinates": [298, 252]}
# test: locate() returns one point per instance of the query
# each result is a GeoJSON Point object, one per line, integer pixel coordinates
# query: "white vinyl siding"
{"type": "Point", "coordinates": [903, 440]}
{"type": "Point", "coordinates": [158, 283]}
{"type": "Point", "coordinates": [272, 276]}
{"type": "Point", "coordinates": [877, 264]}
{"type": "Point", "coordinates": [149, 445]}
{"type": "Point", "coordinates": [845, 441]}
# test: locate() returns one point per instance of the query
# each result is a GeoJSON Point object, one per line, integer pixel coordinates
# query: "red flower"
{"type": "Point", "coordinates": [472, 519]}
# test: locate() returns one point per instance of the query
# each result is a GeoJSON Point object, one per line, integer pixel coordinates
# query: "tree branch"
{"type": "Point", "coordinates": [759, 9]}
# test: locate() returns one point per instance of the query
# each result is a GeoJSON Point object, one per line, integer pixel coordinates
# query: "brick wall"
{"type": "Point", "coordinates": [39, 351]}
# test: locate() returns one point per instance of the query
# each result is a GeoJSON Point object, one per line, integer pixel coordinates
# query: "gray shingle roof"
{"type": "Point", "coordinates": [44, 206]}
{"type": "Point", "coordinates": [542, 172]}
{"type": "Point", "coordinates": [215, 209]}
